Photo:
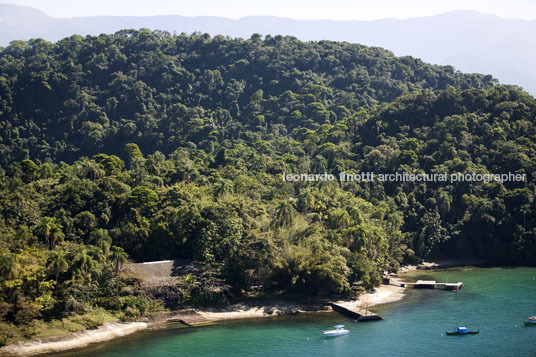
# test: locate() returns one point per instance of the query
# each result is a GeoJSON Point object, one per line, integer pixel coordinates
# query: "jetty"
{"type": "Point", "coordinates": [189, 318]}
{"type": "Point", "coordinates": [428, 284]}
{"type": "Point", "coordinates": [349, 309]}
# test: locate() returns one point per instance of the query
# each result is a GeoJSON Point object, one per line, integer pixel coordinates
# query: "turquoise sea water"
{"type": "Point", "coordinates": [494, 300]}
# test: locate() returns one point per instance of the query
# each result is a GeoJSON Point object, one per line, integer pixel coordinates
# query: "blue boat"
{"type": "Point", "coordinates": [462, 331]}
{"type": "Point", "coordinates": [531, 321]}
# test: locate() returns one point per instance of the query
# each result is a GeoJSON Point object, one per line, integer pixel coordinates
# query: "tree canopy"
{"type": "Point", "coordinates": [152, 146]}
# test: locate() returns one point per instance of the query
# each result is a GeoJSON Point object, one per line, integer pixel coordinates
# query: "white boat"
{"type": "Point", "coordinates": [339, 331]}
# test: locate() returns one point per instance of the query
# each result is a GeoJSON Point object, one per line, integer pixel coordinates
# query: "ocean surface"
{"type": "Point", "coordinates": [494, 301]}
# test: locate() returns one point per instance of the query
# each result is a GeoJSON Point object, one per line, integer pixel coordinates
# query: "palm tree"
{"type": "Point", "coordinates": [90, 169]}
{"type": "Point", "coordinates": [101, 239]}
{"type": "Point", "coordinates": [284, 214]}
{"type": "Point", "coordinates": [23, 235]}
{"type": "Point", "coordinates": [57, 264]}
{"type": "Point", "coordinates": [45, 227]}
{"type": "Point", "coordinates": [356, 237]}
{"type": "Point", "coordinates": [96, 254]}
{"type": "Point", "coordinates": [338, 218]}
{"type": "Point", "coordinates": [56, 235]}
{"type": "Point", "coordinates": [83, 265]}
{"type": "Point", "coordinates": [306, 200]}
{"type": "Point", "coordinates": [119, 257]}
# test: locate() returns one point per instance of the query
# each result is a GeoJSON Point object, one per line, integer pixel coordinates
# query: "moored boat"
{"type": "Point", "coordinates": [531, 321]}
{"type": "Point", "coordinates": [339, 331]}
{"type": "Point", "coordinates": [462, 331]}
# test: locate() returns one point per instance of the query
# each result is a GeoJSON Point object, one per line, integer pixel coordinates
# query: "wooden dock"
{"type": "Point", "coordinates": [429, 284]}
{"type": "Point", "coordinates": [354, 312]}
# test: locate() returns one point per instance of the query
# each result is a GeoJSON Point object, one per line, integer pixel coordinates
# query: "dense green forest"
{"type": "Point", "coordinates": [152, 146]}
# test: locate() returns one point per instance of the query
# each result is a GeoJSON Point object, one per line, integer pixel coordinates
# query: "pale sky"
{"type": "Point", "coordinates": [297, 9]}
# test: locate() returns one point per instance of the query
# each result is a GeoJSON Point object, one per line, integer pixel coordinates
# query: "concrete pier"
{"type": "Point", "coordinates": [189, 318]}
{"type": "Point", "coordinates": [429, 284]}
{"type": "Point", "coordinates": [355, 312]}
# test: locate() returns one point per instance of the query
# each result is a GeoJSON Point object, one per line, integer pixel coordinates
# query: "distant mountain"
{"type": "Point", "coordinates": [468, 40]}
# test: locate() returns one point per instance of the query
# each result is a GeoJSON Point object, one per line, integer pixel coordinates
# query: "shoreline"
{"type": "Point", "coordinates": [384, 294]}
{"type": "Point", "coordinates": [265, 308]}
{"type": "Point", "coordinates": [441, 264]}
{"type": "Point", "coordinates": [105, 332]}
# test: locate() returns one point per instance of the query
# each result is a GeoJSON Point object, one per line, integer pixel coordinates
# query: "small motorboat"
{"type": "Point", "coordinates": [531, 321]}
{"type": "Point", "coordinates": [461, 331]}
{"type": "Point", "coordinates": [339, 331]}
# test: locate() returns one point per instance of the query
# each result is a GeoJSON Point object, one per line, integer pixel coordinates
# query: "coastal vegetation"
{"type": "Point", "coordinates": [149, 146]}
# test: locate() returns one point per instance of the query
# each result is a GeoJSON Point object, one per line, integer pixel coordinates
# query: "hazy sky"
{"type": "Point", "coordinates": [299, 9]}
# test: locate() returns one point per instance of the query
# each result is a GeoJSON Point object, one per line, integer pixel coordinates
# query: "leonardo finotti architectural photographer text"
{"type": "Point", "coordinates": [405, 177]}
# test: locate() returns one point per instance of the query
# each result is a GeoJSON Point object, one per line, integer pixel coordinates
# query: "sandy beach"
{"type": "Point", "coordinates": [382, 295]}
{"type": "Point", "coordinates": [105, 332]}
{"type": "Point", "coordinates": [255, 310]}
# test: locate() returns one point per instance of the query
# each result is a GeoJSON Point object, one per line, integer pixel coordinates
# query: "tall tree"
{"type": "Point", "coordinates": [57, 264]}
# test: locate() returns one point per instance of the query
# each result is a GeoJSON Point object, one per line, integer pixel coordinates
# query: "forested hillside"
{"type": "Point", "coordinates": [85, 96]}
{"type": "Point", "coordinates": [175, 146]}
